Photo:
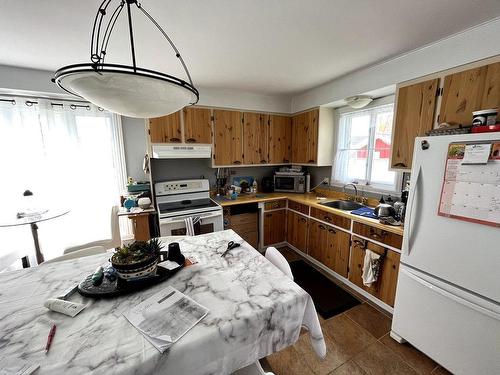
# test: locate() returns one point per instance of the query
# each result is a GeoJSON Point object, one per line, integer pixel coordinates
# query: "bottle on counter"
{"type": "Point", "coordinates": [254, 187]}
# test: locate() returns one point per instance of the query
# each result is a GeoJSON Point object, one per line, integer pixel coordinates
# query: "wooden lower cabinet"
{"type": "Point", "coordinates": [274, 227]}
{"type": "Point", "coordinates": [385, 287]}
{"type": "Point", "coordinates": [297, 228]}
{"type": "Point", "coordinates": [329, 246]}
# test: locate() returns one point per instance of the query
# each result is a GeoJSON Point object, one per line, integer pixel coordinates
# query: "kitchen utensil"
{"type": "Point", "coordinates": [231, 245]}
{"type": "Point", "coordinates": [384, 210]}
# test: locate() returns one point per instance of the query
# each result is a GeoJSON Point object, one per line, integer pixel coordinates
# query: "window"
{"type": "Point", "coordinates": [364, 147]}
{"type": "Point", "coordinates": [68, 156]}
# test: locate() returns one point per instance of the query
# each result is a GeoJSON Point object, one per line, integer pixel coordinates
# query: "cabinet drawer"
{"type": "Point", "coordinates": [379, 235]}
{"type": "Point", "coordinates": [331, 218]}
{"type": "Point", "coordinates": [274, 205]}
{"type": "Point", "coordinates": [299, 207]}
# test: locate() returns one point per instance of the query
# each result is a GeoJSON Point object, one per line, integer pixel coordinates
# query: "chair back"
{"type": "Point", "coordinates": [276, 258]}
{"type": "Point", "coordinates": [116, 240]}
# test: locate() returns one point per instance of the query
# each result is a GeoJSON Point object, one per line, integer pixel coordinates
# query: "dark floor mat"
{"type": "Point", "coordinates": [328, 298]}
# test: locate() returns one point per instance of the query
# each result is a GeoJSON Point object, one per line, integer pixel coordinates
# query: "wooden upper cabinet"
{"type": "Point", "coordinates": [280, 139]}
{"type": "Point", "coordinates": [228, 137]}
{"type": "Point", "coordinates": [166, 129]}
{"type": "Point", "coordinates": [491, 92]}
{"type": "Point", "coordinates": [255, 138]}
{"type": "Point", "coordinates": [414, 117]}
{"type": "Point", "coordinates": [305, 137]}
{"type": "Point", "coordinates": [197, 125]}
{"type": "Point", "coordinates": [462, 94]}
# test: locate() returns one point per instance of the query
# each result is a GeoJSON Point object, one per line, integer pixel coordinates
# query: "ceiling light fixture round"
{"type": "Point", "coordinates": [358, 101]}
{"type": "Point", "coordinates": [126, 89]}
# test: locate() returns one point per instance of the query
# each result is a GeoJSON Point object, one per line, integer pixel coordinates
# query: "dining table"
{"type": "Point", "coordinates": [254, 310]}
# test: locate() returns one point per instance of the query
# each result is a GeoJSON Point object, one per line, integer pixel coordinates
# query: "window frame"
{"type": "Point", "coordinates": [366, 185]}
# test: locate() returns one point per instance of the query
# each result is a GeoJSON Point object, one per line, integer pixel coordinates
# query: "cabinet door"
{"type": "Point", "coordinates": [255, 138]}
{"type": "Point", "coordinates": [389, 277]}
{"type": "Point", "coordinates": [356, 262]}
{"type": "Point", "coordinates": [317, 246]}
{"type": "Point", "coordinates": [274, 227]}
{"type": "Point", "coordinates": [462, 94]}
{"type": "Point", "coordinates": [297, 229]}
{"type": "Point", "coordinates": [338, 250]}
{"type": "Point", "coordinates": [165, 129]}
{"type": "Point", "coordinates": [299, 139]}
{"type": "Point", "coordinates": [491, 92]}
{"type": "Point", "coordinates": [312, 118]}
{"type": "Point", "coordinates": [280, 139]}
{"type": "Point", "coordinates": [414, 117]}
{"type": "Point", "coordinates": [197, 125]}
{"type": "Point", "coordinates": [228, 147]}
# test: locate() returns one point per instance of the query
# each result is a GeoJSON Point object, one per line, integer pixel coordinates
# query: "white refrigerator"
{"type": "Point", "coordinates": [448, 293]}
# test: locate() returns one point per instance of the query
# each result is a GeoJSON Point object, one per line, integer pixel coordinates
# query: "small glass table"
{"type": "Point", "coordinates": [32, 220]}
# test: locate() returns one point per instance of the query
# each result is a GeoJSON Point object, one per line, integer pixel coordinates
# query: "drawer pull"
{"type": "Point", "coordinates": [360, 244]}
{"type": "Point", "coordinates": [191, 140]}
{"type": "Point", "coordinates": [286, 161]}
{"type": "Point", "coordinates": [322, 227]}
{"type": "Point", "coordinates": [175, 140]}
{"type": "Point", "coordinates": [263, 161]}
{"type": "Point", "coordinates": [327, 218]}
{"type": "Point", "coordinates": [400, 165]}
{"type": "Point", "coordinates": [311, 161]}
{"type": "Point", "coordinates": [236, 162]}
{"type": "Point", "coordinates": [332, 231]}
{"type": "Point", "coordinates": [303, 220]}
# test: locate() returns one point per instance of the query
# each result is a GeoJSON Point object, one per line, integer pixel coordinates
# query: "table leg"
{"type": "Point", "coordinates": [34, 232]}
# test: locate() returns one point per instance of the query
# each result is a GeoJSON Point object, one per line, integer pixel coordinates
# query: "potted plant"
{"type": "Point", "coordinates": [138, 259]}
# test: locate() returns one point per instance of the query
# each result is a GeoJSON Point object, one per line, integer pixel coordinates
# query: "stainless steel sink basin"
{"type": "Point", "coordinates": [343, 205]}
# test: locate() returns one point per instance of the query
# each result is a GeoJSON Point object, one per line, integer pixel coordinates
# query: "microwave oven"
{"type": "Point", "coordinates": [291, 183]}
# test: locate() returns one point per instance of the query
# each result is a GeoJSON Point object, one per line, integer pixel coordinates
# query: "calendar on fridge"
{"type": "Point", "coordinates": [471, 185]}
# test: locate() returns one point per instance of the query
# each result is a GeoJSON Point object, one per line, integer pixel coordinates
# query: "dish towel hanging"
{"type": "Point", "coordinates": [371, 267]}
{"type": "Point", "coordinates": [190, 223]}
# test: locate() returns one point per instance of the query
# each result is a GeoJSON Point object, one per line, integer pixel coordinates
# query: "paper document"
{"type": "Point", "coordinates": [478, 153]}
{"type": "Point", "coordinates": [165, 317]}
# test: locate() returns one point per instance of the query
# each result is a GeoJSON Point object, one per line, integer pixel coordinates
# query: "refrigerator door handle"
{"type": "Point", "coordinates": [408, 223]}
{"type": "Point", "coordinates": [446, 294]}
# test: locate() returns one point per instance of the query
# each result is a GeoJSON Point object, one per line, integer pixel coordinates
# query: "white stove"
{"type": "Point", "coordinates": [178, 200]}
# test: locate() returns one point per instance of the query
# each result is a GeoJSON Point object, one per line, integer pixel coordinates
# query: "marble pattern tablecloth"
{"type": "Point", "coordinates": [255, 310]}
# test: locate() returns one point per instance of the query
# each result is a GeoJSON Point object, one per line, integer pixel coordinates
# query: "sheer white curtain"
{"type": "Point", "coordinates": [68, 156]}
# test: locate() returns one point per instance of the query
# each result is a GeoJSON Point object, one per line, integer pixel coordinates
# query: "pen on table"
{"type": "Point", "coordinates": [50, 338]}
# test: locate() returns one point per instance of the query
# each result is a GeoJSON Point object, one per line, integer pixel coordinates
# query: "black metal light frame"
{"type": "Point", "coordinates": [99, 46]}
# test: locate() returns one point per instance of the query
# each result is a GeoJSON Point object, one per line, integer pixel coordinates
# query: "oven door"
{"type": "Point", "coordinates": [284, 183]}
{"type": "Point", "coordinates": [174, 226]}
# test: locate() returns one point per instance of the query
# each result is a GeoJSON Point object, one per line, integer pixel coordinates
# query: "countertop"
{"type": "Point", "coordinates": [310, 199]}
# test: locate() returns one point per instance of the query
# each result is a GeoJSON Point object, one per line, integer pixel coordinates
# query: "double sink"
{"type": "Point", "coordinates": [343, 205]}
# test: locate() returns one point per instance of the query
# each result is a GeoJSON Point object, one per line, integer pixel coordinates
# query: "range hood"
{"type": "Point", "coordinates": [182, 151]}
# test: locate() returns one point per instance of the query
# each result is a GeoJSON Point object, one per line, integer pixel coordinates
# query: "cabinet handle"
{"type": "Point", "coordinates": [375, 235]}
{"type": "Point", "coordinates": [327, 218]}
{"type": "Point", "coordinates": [400, 165]}
{"type": "Point", "coordinates": [322, 227]}
{"type": "Point", "coordinates": [190, 140]}
{"type": "Point", "coordinates": [175, 140]}
{"type": "Point", "coordinates": [263, 161]}
{"type": "Point", "coordinates": [332, 231]}
{"type": "Point", "coordinates": [236, 162]}
{"type": "Point", "coordinates": [286, 161]}
{"type": "Point", "coordinates": [311, 161]}
{"type": "Point", "coordinates": [359, 243]}
{"type": "Point", "coordinates": [303, 220]}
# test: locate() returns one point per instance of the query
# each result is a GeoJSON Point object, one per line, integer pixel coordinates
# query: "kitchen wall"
{"type": "Point", "coordinates": [467, 46]}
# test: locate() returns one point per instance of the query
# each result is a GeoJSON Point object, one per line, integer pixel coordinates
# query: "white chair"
{"type": "Point", "coordinates": [276, 258]}
{"type": "Point", "coordinates": [253, 369]}
{"type": "Point", "coordinates": [77, 254]}
{"type": "Point", "coordinates": [107, 243]}
{"type": "Point", "coordinates": [8, 261]}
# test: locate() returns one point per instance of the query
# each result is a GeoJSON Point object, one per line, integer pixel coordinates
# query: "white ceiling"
{"type": "Point", "coordinates": [263, 46]}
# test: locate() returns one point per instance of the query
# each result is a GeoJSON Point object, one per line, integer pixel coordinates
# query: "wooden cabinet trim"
{"type": "Point", "coordinates": [378, 235]}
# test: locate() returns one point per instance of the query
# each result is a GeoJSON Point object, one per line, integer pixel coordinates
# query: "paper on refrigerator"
{"type": "Point", "coordinates": [165, 317]}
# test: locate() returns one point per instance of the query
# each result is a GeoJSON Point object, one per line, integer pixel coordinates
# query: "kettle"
{"type": "Point", "coordinates": [385, 210]}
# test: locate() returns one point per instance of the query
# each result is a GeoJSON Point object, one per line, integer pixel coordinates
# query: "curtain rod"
{"type": "Point", "coordinates": [29, 103]}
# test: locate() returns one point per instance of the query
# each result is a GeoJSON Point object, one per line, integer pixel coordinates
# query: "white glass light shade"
{"type": "Point", "coordinates": [143, 95]}
{"type": "Point", "coordinates": [359, 101]}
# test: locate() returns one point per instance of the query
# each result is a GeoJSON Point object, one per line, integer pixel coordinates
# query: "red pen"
{"type": "Point", "coordinates": [50, 338]}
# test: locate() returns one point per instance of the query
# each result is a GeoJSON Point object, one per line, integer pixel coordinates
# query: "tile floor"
{"type": "Point", "coordinates": [357, 342]}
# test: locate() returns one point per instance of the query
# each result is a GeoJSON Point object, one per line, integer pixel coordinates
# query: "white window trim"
{"type": "Point", "coordinates": [372, 188]}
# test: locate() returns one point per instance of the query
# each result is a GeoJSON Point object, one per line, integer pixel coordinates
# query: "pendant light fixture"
{"type": "Point", "coordinates": [126, 89]}
{"type": "Point", "coordinates": [358, 101]}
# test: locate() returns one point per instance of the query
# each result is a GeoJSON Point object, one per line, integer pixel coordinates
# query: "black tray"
{"type": "Point", "coordinates": [120, 287]}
